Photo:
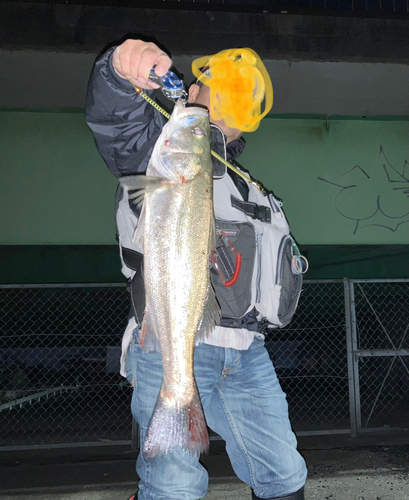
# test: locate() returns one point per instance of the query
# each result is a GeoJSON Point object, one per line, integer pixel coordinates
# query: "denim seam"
{"type": "Point", "coordinates": [238, 436]}
{"type": "Point", "coordinates": [147, 463]}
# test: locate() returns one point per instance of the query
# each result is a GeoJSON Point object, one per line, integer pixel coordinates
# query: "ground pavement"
{"type": "Point", "coordinates": [340, 468]}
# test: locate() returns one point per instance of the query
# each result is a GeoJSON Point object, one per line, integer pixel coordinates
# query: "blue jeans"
{"type": "Point", "coordinates": [243, 403]}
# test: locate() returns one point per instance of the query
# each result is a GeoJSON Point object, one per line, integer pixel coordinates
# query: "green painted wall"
{"type": "Point", "coordinates": [54, 187]}
{"type": "Point", "coordinates": [344, 183]}
{"type": "Point", "coordinates": [56, 190]}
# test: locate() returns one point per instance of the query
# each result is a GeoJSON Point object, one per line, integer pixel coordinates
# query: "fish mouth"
{"type": "Point", "coordinates": [193, 111]}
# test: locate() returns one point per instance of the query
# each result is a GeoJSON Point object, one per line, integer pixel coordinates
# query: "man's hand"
{"type": "Point", "coordinates": [134, 59]}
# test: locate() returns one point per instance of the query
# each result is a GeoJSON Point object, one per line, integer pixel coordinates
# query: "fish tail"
{"type": "Point", "coordinates": [198, 435]}
{"type": "Point", "coordinates": [171, 426]}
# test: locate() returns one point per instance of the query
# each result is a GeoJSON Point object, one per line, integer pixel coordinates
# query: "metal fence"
{"type": "Point", "coordinates": [59, 354]}
{"type": "Point", "coordinates": [342, 361]}
{"type": "Point", "coordinates": [310, 356]}
{"type": "Point", "coordinates": [379, 361]}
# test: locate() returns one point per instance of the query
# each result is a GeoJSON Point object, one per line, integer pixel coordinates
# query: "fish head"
{"type": "Point", "coordinates": [183, 147]}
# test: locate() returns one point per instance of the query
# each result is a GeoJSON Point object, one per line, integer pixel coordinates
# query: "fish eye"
{"type": "Point", "coordinates": [199, 132]}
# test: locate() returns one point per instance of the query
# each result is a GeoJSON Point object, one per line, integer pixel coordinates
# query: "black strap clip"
{"type": "Point", "coordinates": [259, 212]}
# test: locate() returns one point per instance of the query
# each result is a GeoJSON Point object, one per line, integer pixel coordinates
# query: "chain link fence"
{"type": "Point", "coordinates": [60, 351]}
{"type": "Point", "coordinates": [59, 355]}
{"type": "Point", "coordinates": [381, 352]}
{"type": "Point", "coordinates": [310, 356]}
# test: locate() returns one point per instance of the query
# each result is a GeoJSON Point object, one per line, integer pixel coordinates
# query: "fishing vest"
{"type": "Point", "coordinates": [254, 253]}
{"type": "Point", "coordinates": [252, 273]}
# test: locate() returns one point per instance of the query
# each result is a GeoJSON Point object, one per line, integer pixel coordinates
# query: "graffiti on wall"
{"type": "Point", "coordinates": [376, 197]}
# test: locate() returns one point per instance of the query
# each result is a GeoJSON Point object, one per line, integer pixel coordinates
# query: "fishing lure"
{"type": "Point", "coordinates": [170, 85]}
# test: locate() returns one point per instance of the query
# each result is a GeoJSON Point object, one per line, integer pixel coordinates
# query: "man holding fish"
{"type": "Point", "coordinates": [197, 246]}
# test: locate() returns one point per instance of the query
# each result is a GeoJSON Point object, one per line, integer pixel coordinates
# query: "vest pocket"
{"type": "Point", "coordinates": [236, 252]}
{"type": "Point", "coordinates": [289, 282]}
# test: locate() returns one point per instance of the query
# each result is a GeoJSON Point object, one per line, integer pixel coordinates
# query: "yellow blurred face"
{"type": "Point", "coordinates": [239, 85]}
{"type": "Point", "coordinates": [201, 95]}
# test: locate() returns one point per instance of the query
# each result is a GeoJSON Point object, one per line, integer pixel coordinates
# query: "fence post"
{"type": "Point", "coordinates": [353, 372]}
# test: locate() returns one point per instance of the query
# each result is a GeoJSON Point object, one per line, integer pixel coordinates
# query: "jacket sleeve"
{"type": "Point", "coordinates": [125, 126]}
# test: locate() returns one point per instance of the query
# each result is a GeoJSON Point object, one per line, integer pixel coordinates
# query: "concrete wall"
{"type": "Point", "coordinates": [87, 28]}
{"type": "Point", "coordinates": [54, 80]}
{"type": "Point", "coordinates": [319, 65]}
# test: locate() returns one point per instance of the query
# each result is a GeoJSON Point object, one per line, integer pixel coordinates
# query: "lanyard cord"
{"type": "Point", "coordinates": [247, 178]}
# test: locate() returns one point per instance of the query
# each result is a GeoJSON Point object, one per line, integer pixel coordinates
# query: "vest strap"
{"type": "Point", "coordinates": [136, 285]}
{"type": "Point", "coordinates": [132, 258]}
{"type": "Point", "coordinates": [259, 212]}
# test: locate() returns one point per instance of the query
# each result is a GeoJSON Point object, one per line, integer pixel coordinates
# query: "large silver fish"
{"type": "Point", "coordinates": [178, 232]}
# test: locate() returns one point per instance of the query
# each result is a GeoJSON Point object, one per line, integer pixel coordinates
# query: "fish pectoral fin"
{"type": "Point", "coordinates": [210, 318]}
{"type": "Point", "coordinates": [139, 186]}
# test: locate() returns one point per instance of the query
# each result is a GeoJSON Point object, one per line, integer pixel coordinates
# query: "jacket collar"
{"type": "Point", "coordinates": [229, 151]}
